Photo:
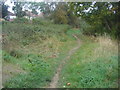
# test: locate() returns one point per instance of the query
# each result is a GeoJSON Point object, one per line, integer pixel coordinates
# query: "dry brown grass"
{"type": "Point", "coordinates": [107, 46]}
{"type": "Point", "coordinates": [50, 45]}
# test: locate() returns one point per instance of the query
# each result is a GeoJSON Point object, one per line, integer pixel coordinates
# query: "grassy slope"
{"type": "Point", "coordinates": [93, 65]}
{"type": "Point", "coordinates": [40, 75]}
{"type": "Point", "coordinates": [45, 54]}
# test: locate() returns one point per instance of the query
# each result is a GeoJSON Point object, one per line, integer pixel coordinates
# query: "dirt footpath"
{"type": "Point", "coordinates": [55, 79]}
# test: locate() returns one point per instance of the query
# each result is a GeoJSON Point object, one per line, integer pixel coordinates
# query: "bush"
{"type": "Point", "coordinates": [21, 20]}
{"type": "Point", "coordinates": [16, 53]}
{"type": "Point", "coordinates": [25, 34]}
{"type": "Point", "coordinates": [41, 21]}
{"type": "Point", "coordinates": [4, 22]}
{"type": "Point", "coordinates": [60, 17]}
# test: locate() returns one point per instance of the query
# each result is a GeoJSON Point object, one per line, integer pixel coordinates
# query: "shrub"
{"type": "Point", "coordinates": [21, 20]}
{"type": "Point", "coordinates": [41, 21]}
{"type": "Point", "coordinates": [16, 53]}
{"type": "Point", "coordinates": [60, 17]}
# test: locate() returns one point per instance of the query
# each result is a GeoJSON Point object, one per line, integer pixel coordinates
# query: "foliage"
{"type": "Point", "coordinates": [34, 11]}
{"type": "Point", "coordinates": [41, 21]}
{"type": "Point", "coordinates": [4, 10]}
{"type": "Point", "coordinates": [60, 14]}
{"type": "Point", "coordinates": [101, 16]}
{"type": "Point", "coordinates": [73, 20]}
{"type": "Point", "coordinates": [10, 57]}
{"type": "Point", "coordinates": [26, 33]}
{"type": "Point", "coordinates": [91, 66]}
{"type": "Point", "coordinates": [21, 20]}
{"type": "Point", "coordinates": [64, 15]}
{"type": "Point", "coordinates": [39, 46]}
{"type": "Point", "coordinates": [18, 9]}
{"type": "Point", "coordinates": [45, 7]}
{"type": "Point", "coordinates": [38, 73]}
{"type": "Point", "coordinates": [39, 58]}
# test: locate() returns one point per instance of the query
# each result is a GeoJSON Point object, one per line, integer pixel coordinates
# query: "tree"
{"type": "Point", "coordinates": [44, 7]}
{"type": "Point", "coordinates": [101, 16]}
{"type": "Point", "coordinates": [72, 18]}
{"type": "Point", "coordinates": [64, 15]}
{"type": "Point", "coordinates": [18, 9]}
{"type": "Point", "coordinates": [4, 10]}
{"type": "Point", "coordinates": [34, 11]}
{"type": "Point", "coordinates": [47, 8]}
{"type": "Point", "coordinates": [60, 14]}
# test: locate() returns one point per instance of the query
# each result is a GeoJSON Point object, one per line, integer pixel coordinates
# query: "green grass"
{"type": "Point", "coordinates": [37, 71]}
{"type": "Point", "coordinates": [70, 32]}
{"type": "Point", "coordinates": [32, 47]}
{"type": "Point", "coordinates": [87, 70]}
{"type": "Point", "coordinates": [40, 72]}
{"type": "Point", "coordinates": [38, 49]}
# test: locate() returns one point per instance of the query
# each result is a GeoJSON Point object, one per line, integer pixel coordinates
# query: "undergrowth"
{"type": "Point", "coordinates": [37, 49]}
{"type": "Point", "coordinates": [94, 65]}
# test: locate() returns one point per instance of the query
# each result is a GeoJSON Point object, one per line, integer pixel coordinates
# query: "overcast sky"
{"type": "Point", "coordinates": [8, 2]}
{"type": "Point", "coordinates": [11, 4]}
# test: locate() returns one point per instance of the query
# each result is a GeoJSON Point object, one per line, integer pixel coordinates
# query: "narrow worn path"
{"type": "Point", "coordinates": [55, 79]}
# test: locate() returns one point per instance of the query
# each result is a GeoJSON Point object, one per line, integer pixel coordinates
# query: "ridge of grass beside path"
{"type": "Point", "coordinates": [39, 75]}
{"type": "Point", "coordinates": [35, 61]}
{"type": "Point", "coordinates": [94, 65]}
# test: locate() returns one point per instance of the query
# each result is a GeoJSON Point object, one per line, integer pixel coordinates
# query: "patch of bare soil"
{"type": "Point", "coordinates": [10, 70]}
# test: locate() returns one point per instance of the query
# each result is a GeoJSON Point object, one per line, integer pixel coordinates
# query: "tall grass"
{"type": "Point", "coordinates": [94, 65]}
{"type": "Point", "coordinates": [37, 49]}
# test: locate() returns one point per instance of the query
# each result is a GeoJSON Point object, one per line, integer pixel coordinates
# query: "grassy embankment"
{"type": "Point", "coordinates": [94, 65]}
{"type": "Point", "coordinates": [31, 53]}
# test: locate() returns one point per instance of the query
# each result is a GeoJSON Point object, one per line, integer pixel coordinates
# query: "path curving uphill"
{"type": "Point", "coordinates": [55, 79]}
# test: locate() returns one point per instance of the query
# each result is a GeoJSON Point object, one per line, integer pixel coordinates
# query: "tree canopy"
{"type": "Point", "coordinates": [101, 16]}
{"type": "Point", "coordinates": [18, 9]}
{"type": "Point", "coordinates": [4, 10]}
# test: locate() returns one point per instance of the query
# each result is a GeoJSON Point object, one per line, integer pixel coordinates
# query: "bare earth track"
{"type": "Point", "coordinates": [55, 79]}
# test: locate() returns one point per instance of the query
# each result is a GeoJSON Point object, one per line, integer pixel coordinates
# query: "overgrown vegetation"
{"type": "Point", "coordinates": [34, 48]}
{"type": "Point", "coordinates": [103, 17]}
{"type": "Point", "coordinates": [94, 65]}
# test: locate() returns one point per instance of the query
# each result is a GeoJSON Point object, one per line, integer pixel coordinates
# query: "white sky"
{"type": "Point", "coordinates": [11, 4]}
{"type": "Point", "coordinates": [8, 2]}
{"type": "Point", "coordinates": [93, 3]}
